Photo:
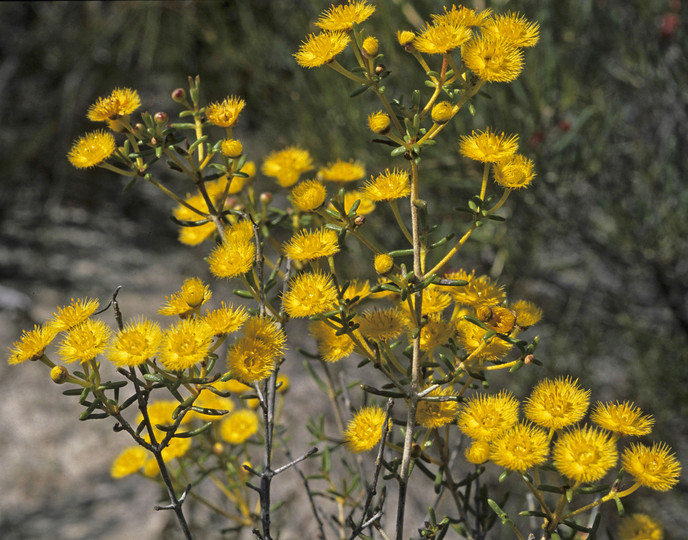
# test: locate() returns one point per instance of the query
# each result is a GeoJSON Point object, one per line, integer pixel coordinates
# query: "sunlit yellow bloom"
{"type": "Point", "coordinates": [344, 16]}
{"type": "Point", "coordinates": [479, 291]}
{"type": "Point", "coordinates": [485, 416]}
{"type": "Point", "coordinates": [366, 206]}
{"type": "Point", "coordinates": [527, 313]}
{"type": "Point", "coordinates": [75, 313]}
{"type": "Point", "coordinates": [470, 337]}
{"type": "Point", "coordinates": [138, 341]}
{"type": "Point", "coordinates": [514, 28]}
{"type": "Point", "coordinates": [161, 412]}
{"type": "Point", "coordinates": [121, 102]}
{"type": "Point", "coordinates": [434, 414]}
{"type": "Point", "coordinates": [310, 294]}
{"type": "Point", "coordinates": [229, 260]}
{"type": "Point", "coordinates": [128, 462]}
{"type": "Point", "coordinates": [232, 148]}
{"type": "Point", "coordinates": [555, 404]}
{"type": "Point", "coordinates": [640, 527]}
{"type": "Point", "coordinates": [478, 452]}
{"type": "Point", "coordinates": [308, 245]}
{"type": "Point", "coordinates": [185, 344]}
{"type": "Point", "coordinates": [442, 38]}
{"type": "Point", "coordinates": [382, 324]}
{"type": "Point", "coordinates": [656, 467]}
{"type": "Point", "coordinates": [239, 426]}
{"type": "Point", "coordinates": [226, 112]}
{"type": "Point", "coordinates": [253, 357]}
{"type": "Point", "coordinates": [342, 171]}
{"type": "Point", "coordinates": [493, 60]}
{"type": "Point", "coordinates": [370, 47]}
{"type": "Point", "coordinates": [176, 448]}
{"type": "Point", "coordinates": [308, 196]}
{"type": "Point", "coordinates": [331, 347]}
{"type": "Point", "coordinates": [239, 232]}
{"type": "Point", "coordinates": [622, 418]}
{"type": "Point", "coordinates": [498, 318]}
{"type": "Point", "coordinates": [287, 165]}
{"type": "Point", "coordinates": [584, 454]}
{"type": "Point", "coordinates": [435, 333]}
{"type": "Point", "coordinates": [442, 112]}
{"type": "Point", "coordinates": [379, 122]}
{"type": "Point", "coordinates": [85, 341]}
{"type": "Point", "coordinates": [388, 186]}
{"type": "Point", "coordinates": [357, 289]}
{"type": "Point", "coordinates": [235, 386]}
{"type": "Point", "coordinates": [514, 172]}
{"type": "Point", "coordinates": [192, 236]}
{"type": "Point", "coordinates": [405, 37]}
{"type": "Point", "coordinates": [91, 149]}
{"type": "Point", "coordinates": [383, 264]}
{"type": "Point", "coordinates": [487, 146]}
{"type": "Point", "coordinates": [207, 399]}
{"type": "Point", "coordinates": [520, 447]}
{"type": "Point", "coordinates": [226, 319]}
{"type": "Point", "coordinates": [321, 49]}
{"type": "Point", "coordinates": [32, 344]}
{"type": "Point", "coordinates": [185, 301]}
{"type": "Point", "coordinates": [364, 431]}
{"type": "Point", "coordinates": [461, 15]}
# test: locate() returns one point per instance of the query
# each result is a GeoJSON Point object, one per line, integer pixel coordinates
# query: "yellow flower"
{"type": "Point", "coordinates": [484, 417]}
{"type": "Point", "coordinates": [59, 374]}
{"type": "Point", "coordinates": [461, 15]}
{"type": "Point", "coordinates": [32, 344]}
{"type": "Point", "coordinates": [282, 383]}
{"type": "Point", "coordinates": [514, 172]}
{"type": "Point", "coordinates": [527, 313]}
{"type": "Point", "coordinates": [442, 38]}
{"type": "Point", "coordinates": [514, 28]}
{"type": "Point", "coordinates": [232, 148]}
{"type": "Point", "coordinates": [192, 236]}
{"type": "Point", "coordinates": [331, 347]}
{"type": "Point", "coordinates": [121, 102]}
{"type": "Point", "coordinates": [435, 334]}
{"type": "Point", "coordinates": [307, 245]}
{"type": "Point", "coordinates": [488, 147]}
{"type": "Point", "coordinates": [379, 122]}
{"type": "Point", "coordinates": [493, 60]}
{"type": "Point", "coordinates": [370, 47]}
{"type": "Point", "coordinates": [208, 399]}
{"type": "Point", "coordinates": [189, 298]}
{"type": "Point", "coordinates": [229, 260]}
{"type": "Point", "coordinates": [435, 300]}
{"type": "Point", "coordinates": [161, 412]}
{"type": "Point", "coordinates": [382, 324]}
{"type": "Point", "coordinates": [308, 196]}
{"type": "Point", "coordinates": [253, 357]}
{"type": "Point", "coordinates": [556, 404]}
{"type": "Point", "coordinates": [640, 527]}
{"type": "Point", "coordinates": [383, 264]}
{"type": "Point", "coordinates": [405, 37]}
{"type": "Point", "coordinates": [656, 467]}
{"type": "Point", "coordinates": [519, 448]}
{"type": "Point", "coordinates": [366, 206]}
{"type": "Point", "coordinates": [434, 414]}
{"type": "Point", "coordinates": [185, 344]}
{"type": "Point", "coordinates": [135, 343]}
{"type": "Point", "coordinates": [584, 454]}
{"type": "Point", "coordinates": [287, 165]}
{"type": "Point", "coordinates": [344, 16]}
{"type": "Point", "coordinates": [622, 418]}
{"type": "Point", "coordinates": [388, 186]}
{"type": "Point", "coordinates": [91, 149]}
{"type": "Point", "coordinates": [85, 342]}
{"type": "Point", "coordinates": [239, 426]}
{"type": "Point", "coordinates": [470, 337]}
{"type": "Point", "coordinates": [225, 113]}
{"type": "Point", "coordinates": [226, 319]}
{"type": "Point", "coordinates": [321, 49]}
{"type": "Point", "coordinates": [478, 452]}
{"type": "Point", "coordinates": [479, 291]}
{"type": "Point", "coordinates": [356, 289]}
{"type": "Point", "coordinates": [240, 232]}
{"type": "Point", "coordinates": [128, 462]}
{"type": "Point", "coordinates": [310, 294]}
{"type": "Point", "coordinates": [364, 430]}
{"type": "Point", "coordinates": [442, 112]}
{"type": "Point", "coordinates": [342, 171]}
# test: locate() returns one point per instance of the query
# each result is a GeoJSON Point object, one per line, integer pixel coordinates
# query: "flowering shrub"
{"type": "Point", "coordinates": [201, 396]}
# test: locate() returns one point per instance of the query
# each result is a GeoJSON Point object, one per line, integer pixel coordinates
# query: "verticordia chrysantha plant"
{"type": "Point", "coordinates": [201, 396]}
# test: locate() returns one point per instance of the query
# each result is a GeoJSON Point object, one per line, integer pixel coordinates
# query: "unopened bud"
{"type": "Point", "coordinates": [232, 148]}
{"type": "Point", "coordinates": [266, 197]}
{"type": "Point", "coordinates": [442, 112]}
{"type": "Point", "coordinates": [370, 47]}
{"type": "Point", "coordinates": [160, 117]}
{"type": "Point", "coordinates": [178, 95]}
{"type": "Point", "coordinates": [59, 374]}
{"type": "Point", "coordinates": [359, 220]}
{"type": "Point", "coordinates": [383, 264]}
{"type": "Point", "coordinates": [218, 448]}
{"type": "Point", "coordinates": [139, 129]}
{"type": "Point", "coordinates": [380, 69]}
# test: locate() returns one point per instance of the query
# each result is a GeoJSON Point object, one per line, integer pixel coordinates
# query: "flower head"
{"type": "Point", "coordinates": [488, 147]}
{"type": "Point", "coordinates": [309, 245]}
{"type": "Point", "coordinates": [478, 452]}
{"type": "Point", "coordinates": [383, 264]}
{"type": "Point", "coordinates": [67, 317]}
{"type": "Point", "coordinates": [128, 462]}
{"type": "Point", "coordinates": [185, 344]}
{"type": "Point", "coordinates": [308, 196]}
{"type": "Point", "coordinates": [435, 333]}
{"type": "Point", "coordinates": [462, 15]}
{"type": "Point", "coordinates": [470, 336]}
{"type": "Point", "coordinates": [231, 259]}
{"type": "Point", "coordinates": [442, 38]}
{"type": "Point", "coordinates": [226, 319]}
{"type": "Point", "coordinates": [253, 357]}
{"type": "Point", "coordinates": [556, 404]}
{"type": "Point", "coordinates": [135, 343]}
{"type": "Point", "coordinates": [640, 527]}
{"type": "Point", "coordinates": [584, 454]}
{"type": "Point", "coordinates": [287, 165]}
{"type": "Point", "coordinates": [321, 49]}
{"type": "Point", "coordinates": [91, 149]}
{"type": "Point", "coordinates": [382, 324]}
{"type": "Point", "coordinates": [442, 112]}
{"type": "Point", "coordinates": [493, 60]}
{"type": "Point", "coordinates": [342, 171]}
{"type": "Point", "coordinates": [364, 431]}
{"type": "Point", "coordinates": [85, 341]}
{"type": "Point", "coordinates": [189, 298]}
{"type": "Point", "coordinates": [622, 418]}
{"type": "Point", "coordinates": [519, 448]}
{"type": "Point", "coordinates": [656, 467]}
{"type": "Point", "coordinates": [434, 414]}
{"type": "Point", "coordinates": [226, 112]}
{"type": "Point", "coordinates": [232, 148]}
{"type": "Point", "coordinates": [513, 28]}
{"type": "Point", "coordinates": [365, 206]}
{"type": "Point", "coordinates": [331, 347]}
{"type": "Point", "coordinates": [405, 38]}
{"type": "Point", "coordinates": [479, 291]}
{"type": "Point", "coordinates": [310, 294]}
{"type": "Point", "coordinates": [388, 186]}
{"type": "Point", "coordinates": [239, 426]}
{"type": "Point", "coordinates": [379, 122]}
{"type": "Point", "coordinates": [527, 313]}
{"type": "Point", "coordinates": [32, 344]}
{"type": "Point", "coordinates": [514, 172]}
{"type": "Point", "coordinates": [208, 399]}
{"type": "Point", "coordinates": [484, 417]}
{"type": "Point", "coordinates": [344, 16]}
{"type": "Point", "coordinates": [121, 102]}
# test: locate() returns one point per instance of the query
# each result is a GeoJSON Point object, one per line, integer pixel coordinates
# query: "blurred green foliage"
{"type": "Point", "coordinates": [600, 240]}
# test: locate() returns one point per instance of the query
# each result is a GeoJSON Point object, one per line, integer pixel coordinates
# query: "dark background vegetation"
{"type": "Point", "coordinates": [600, 240]}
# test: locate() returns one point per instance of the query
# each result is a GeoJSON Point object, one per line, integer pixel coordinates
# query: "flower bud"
{"type": "Point", "coordinates": [179, 95]}
{"type": "Point", "coordinates": [359, 220]}
{"type": "Point", "coordinates": [379, 122]}
{"type": "Point", "coordinates": [59, 374]}
{"type": "Point", "coordinates": [160, 118]}
{"type": "Point", "coordinates": [380, 69]}
{"type": "Point", "coordinates": [405, 38]}
{"type": "Point", "coordinates": [266, 198]}
{"type": "Point", "coordinates": [370, 47]}
{"type": "Point", "coordinates": [383, 264]}
{"type": "Point", "coordinates": [442, 112]}
{"type": "Point", "coordinates": [218, 448]}
{"type": "Point", "coordinates": [139, 129]}
{"type": "Point", "coordinates": [232, 148]}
